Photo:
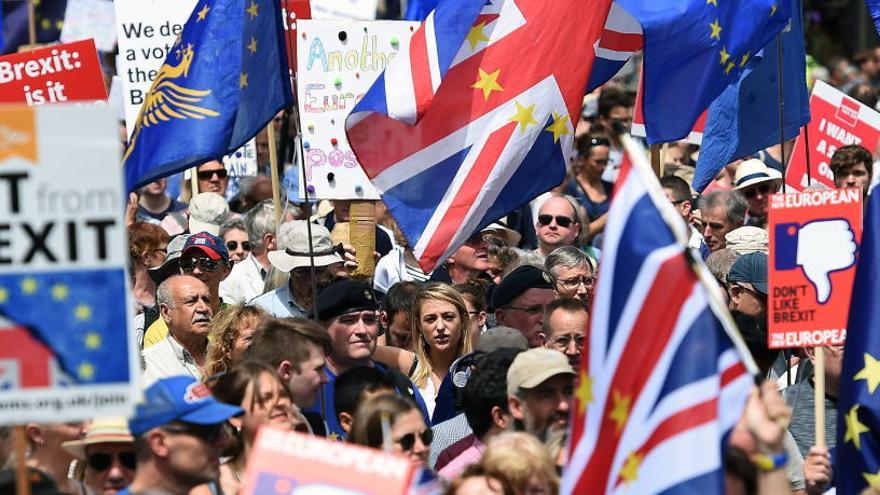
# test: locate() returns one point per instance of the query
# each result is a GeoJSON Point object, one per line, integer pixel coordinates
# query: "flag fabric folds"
{"type": "Point", "coordinates": [474, 117]}
{"type": "Point", "coordinates": [621, 38]}
{"type": "Point", "coordinates": [418, 10]}
{"type": "Point", "coordinates": [224, 79]}
{"type": "Point", "coordinates": [745, 118]}
{"type": "Point", "coordinates": [874, 9]}
{"type": "Point", "coordinates": [692, 380]}
{"type": "Point", "coordinates": [693, 50]}
{"type": "Point", "coordinates": [857, 455]}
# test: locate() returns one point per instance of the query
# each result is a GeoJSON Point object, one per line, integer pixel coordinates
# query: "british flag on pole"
{"type": "Point", "coordinates": [473, 119]}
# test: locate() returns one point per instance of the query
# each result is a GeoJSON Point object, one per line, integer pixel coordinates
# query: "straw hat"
{"type": "Point", "coordinates": [102, 430]}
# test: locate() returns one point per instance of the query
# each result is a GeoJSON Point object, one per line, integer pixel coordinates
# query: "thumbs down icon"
{"type": "Point", "coordinates": [819, 248]}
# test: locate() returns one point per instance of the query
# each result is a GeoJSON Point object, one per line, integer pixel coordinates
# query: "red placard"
{"type": "Point", "coordinates": [836, 120]}
{"type": "Point", "coordinates": [55, 74]}
{"type": "Point", "coordinates": [293, 11]}
{"type": "Point", "coordinates": [286, 462]}
{"type": "Point", "coordinates": [813, 249]}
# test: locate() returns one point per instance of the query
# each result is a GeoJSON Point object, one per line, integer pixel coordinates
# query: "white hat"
{"type": "Point", "coordinates": [502, 231]}
{"type": "Point", "coordinates": [754, 171]}
{"type": "Point", "coordinates": [207, 211]}
{"type": "Point", "coordinates": [747, 239]}
{"type": "Point", "coordinates": [102, 430]}
{"type": "Point", "coordinates": [293, 239]}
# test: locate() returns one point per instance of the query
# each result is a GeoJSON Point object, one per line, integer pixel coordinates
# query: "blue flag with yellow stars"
{"type": "Point", "coordinates": [224, 79]}
{"type": "Point", "coordinates": [693, 50]}
{"type": "Point", "coordinates": [73, 314]}
{"type": "Point", "coordinates": [857, 455]}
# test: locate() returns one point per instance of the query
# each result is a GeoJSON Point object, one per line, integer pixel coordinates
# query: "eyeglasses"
{"type": "Point", "coordinates": [222, 173]}
{"type": "Point", "coordinates": [573, 283]}
{"type": "Point", "coordinates": [408, 441]}
{"type": "Point", "coordinates": [233, 245]}
{"type": "Point", "coordinates": [751, 192]}
{"type": "Point", "coordinates": [564, 341]}
{"type": "Point", "coordinates": [101, 461]}
{"type": "Point", "coordinates": [204, 264]}
{"type": "Point", "coordinates": [208, 433]}
{"type": "Point", "coordinates": [532, 310]}
{"type": "Point", "coordinates": [562, 221]}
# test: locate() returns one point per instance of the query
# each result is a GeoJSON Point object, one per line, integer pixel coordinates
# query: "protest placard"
{"type": "Point", "coordinates": [814, 240]}
{"type": "Point", "coordinates": [240, 163]}
{"type": "Point", "coordinates": [338, 62]}
{"type": "Point", "coordinates": [358, 10]}
{"type": "Point", "coordinates": [90, 19]}
{"type": "Point", "coordinates": [66, 352]}
{"type": "Point", "coordinates": [837, 120]}
{"type": "Point", "coordinates": [146, 31]}
{"type": "Point", "coordinates": [55, 74]}
{"type": "Point", "coordinates": [286, 462]}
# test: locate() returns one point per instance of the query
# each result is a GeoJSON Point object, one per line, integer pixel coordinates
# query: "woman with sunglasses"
{"type": "Point", "coordinates": [231, 331]}
{"type": "Point", "coordinates": [404, 431]}
{"type": "Point", "coordinates": [107, 452]}
{"type": "Point", "coordinates": [235, 236]}
{"type": "Point", "coordinates": [588, 187]}
{"type": "Point", "coordinates": [265, 400]}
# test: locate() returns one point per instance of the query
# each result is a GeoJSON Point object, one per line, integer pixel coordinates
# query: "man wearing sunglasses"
{"type": "Point", "coordinates": [557, 225]}
{"type": "Point", "coordinates": [179, 433]}
{"type": "Point", "coordinates": [757, 182]}
{"type": "Point", "coordinates": [108, 452]}
{"type": "Point", "coordinates": [213, 177]}
{"type": "Point", "coordinates": [247, 277]}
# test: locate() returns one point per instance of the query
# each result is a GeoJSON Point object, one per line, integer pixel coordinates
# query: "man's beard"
{"type": "Point", "coordinates": [543, 432]}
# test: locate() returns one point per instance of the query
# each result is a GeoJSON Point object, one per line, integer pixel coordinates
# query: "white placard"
{"type": "Point", "coordinates": [356, 10]}
{"type": "Point", "coordinates": [95, 19]}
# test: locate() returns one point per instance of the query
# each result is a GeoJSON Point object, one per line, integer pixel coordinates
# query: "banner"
{"type": "Point", "coordinates": [338, 62]}
{"type": "Point", "coordinates": [285, 462]}
{"type": "Point", "coordinates": [66, 351]}
{"type": "Point", "coordinates": [813, 248]}
{"type": "Point", "coordinates": [55, 74]}
{"type": "Point", "coordinates": [837, 120]}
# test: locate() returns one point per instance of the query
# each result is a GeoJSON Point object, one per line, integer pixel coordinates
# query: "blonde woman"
{"type": "Point", "coordinates": [522, 462]}
{"type": "Point", "coordinates": [440, 334]}
{"type": "Point", "coordinates": [231, 331]}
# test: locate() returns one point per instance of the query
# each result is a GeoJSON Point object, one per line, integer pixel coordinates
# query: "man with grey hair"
{"type": "Point", "coordinates": [185, 307]}
{"type": "Point", "coordinates": [722, 212]}
{"type": "Point", "coordinates": [246, 279]}
{"type": "Point", "coordinates": [572, 272]}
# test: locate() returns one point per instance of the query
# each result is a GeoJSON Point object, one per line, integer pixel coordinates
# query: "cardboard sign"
{"type": "Point", "coordinates": [837, 120]}
{"type": "Point", "coordinates": [146, 31]}
{"type": "Point", "coordinates": [358, 10]}
{"type": "Point", "coordinates": [55, 74]}
{"type": "Point", "coordinates": [338, 62]}
{"type": "Point", "coordinates": [286, 463]}
{"type": "Point", "coordinates": [90, 19]}
{"type": "Point", "coordinates": [241, 163]}
{"type": "Point", "coordinates": [66, 352]}
{"type": "Point", "coordinates": [814, 239]}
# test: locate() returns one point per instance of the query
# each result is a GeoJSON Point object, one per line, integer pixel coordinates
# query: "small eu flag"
{"type": "Point", "coordinates": [693, 50]}
{"type": "Point", "coordinates": [224, 79]}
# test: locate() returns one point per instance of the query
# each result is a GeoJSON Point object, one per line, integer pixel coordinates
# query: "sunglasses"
{"type": "Point", "coordinates": [562, 221]}
{"type": "Point", "coordinates": [751, 192]}
{"type": "Point", "coordinates": [408, 441]}
{"type": "Point", "coordinates": [208, 433]}
{"type": "Point", "coordinates": [101, 461]}
{"type": "Point", "coordinates": [233, 245]}
{"type": "Point", "coordinates": [204, 264]}
{"type": "Point", "coordinates": [222, 173]}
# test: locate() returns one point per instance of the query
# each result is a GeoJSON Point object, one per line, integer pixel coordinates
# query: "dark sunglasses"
{"type": "Point", "coordinates": [408, 441]}
{"type": "Point", "coordinates": [101, 461]}
{"type": "Point", "coordinates": [753, 191]}
{"type": "Point", "coordinates": [208, 433]}
{"type": "Point", "coordinates": [204, 264]}
{"type": "Point", "coordinates": [233, 245]}
{"type": "Point", "coordinates": [562, 221]}
{"type": "Point", "coordinates": [222, 173]}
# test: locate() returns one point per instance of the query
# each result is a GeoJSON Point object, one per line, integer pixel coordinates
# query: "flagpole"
{"type": "Point", "coordinates": [655, 159]}
{"type": "Point", "coordinates": [819, 384]}
{"type": "Point", "coordinates": [32, 23]}
{"type": "Point", "coordinates": [22, 485]}
{"type": "Point", "coordinates": [781, 108]}
{"type": "Point", "coordinates": [194, 182]}
{"type": "Point", "coordinates": [807, 154]}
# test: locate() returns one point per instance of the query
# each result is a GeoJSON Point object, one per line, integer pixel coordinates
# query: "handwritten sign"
{"type": "Point", "coordinates": [90, 19]}
{"type": "Point", "coordinates": [338, 62]}
{"type": "Point", "coordinates": [55, 74]}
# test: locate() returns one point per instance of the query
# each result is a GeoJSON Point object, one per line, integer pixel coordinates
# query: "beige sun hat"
{"type": "Point", "coordinates": [754, 171]}
{"type": "Point", "coordinates": [102, 430]}
{"type": "Point", "coordinates": [293, 239]}
{"type": "Point", "coordinates": [207, 211]}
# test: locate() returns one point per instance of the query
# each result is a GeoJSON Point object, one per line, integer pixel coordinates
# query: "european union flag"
{"type": "Point", "coordinates": [693, 50]}
{"type": "Point", "coordinates": [857, 455]}
{"type": "Point", "coordinates": [224, 79]}
{"type": "Point", "coordinates": [874, 9]}
{"type": "Point", "coordinates": [745, 118]}
{"type": "Point", "coordinates": [78, 315]}
{"type": "Point", "coordinates": [48, 17]}
{"type": "Point", "coordinates": [418, 10]}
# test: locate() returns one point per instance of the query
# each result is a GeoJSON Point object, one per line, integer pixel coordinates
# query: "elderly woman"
{"type": "Point", "coordinates": [108, 452]}
{"type": "Point", "coordinates": [235, 236]}
{"type": "Point", "coordinates": [573, 273]}
{"type": "Point", "coordinates": [231, 331]}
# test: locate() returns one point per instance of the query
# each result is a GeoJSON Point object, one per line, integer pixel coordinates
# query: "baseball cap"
{"type": "Point", "coordinates": [750, 269]}
{"type": "Point", "coordinates": [209, 244]}
{"type": "Point", "coordinates": [207, 211]}
{"type": "Point", "coordinates": [500, 337]}
{"type": "Point", "coordinates": [293, 239]}
{"type": "Point", "coordinates": [179, 398]}
{"type": "Point", "coordinates": [344, 296]}
{"type": "Point", "coordinates": [516, 282]}
{"type": "Point", "coordinates": [172, 260]}
{"type": "Point", "coordinates": [535, 366]}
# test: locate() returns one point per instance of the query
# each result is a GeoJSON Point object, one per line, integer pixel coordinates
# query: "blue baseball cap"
{"type": "Point", "coordinates": [179, 398]}
{"type": "Point", "coordinates": [750, 269]}
{"type": "Point", "coordinates": [209, 244]}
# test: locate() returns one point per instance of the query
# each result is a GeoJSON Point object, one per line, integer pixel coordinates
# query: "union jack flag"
{"type": "Point", "coordinates": [664, 377]}
{"type": "Point", "coordinates": [621, 38]}
{"type": "Point", "coordinates": [473, 118]}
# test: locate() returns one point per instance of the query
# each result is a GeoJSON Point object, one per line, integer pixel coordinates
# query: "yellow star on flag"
{"type": "Point", "coordinates": [333, 436]}
{"type": "Point", "coordinates": [620, 412]}
{"type": "Point", "coordinates": [523, 116]}
{"type": "Point", "coordinates": [203, 13]}
{"type": "Point", "coordinates": [724, 56]}
{"type": "Point", "coordinates": [86, 371]}
{"type": "Point", "coordinates": [28, 285]}
{"type": "Point", "coordinates": [559, 127]}
{"type": "Point", "coordinates": [712, 2]}
{"type": "Point", "coordinates": [83, 312]}
{"type": "Point", "coordinates": [242, 80]}
{"type": "Point", "coordinates": [630, 469]}
{"type": "Point", "coordinates": [488, 83]}
{"type": "Point", "coordinates": [870, 373]}
{"type": "Point", "coordinates": [854, 428]}
{"type": "Point", "coordinates": [872, 479]}
{"type": "Point", "coordinates": [252, 46]}
{"type": "Point", "coordinates": [4, 295]}
{"type": "Point", "coordinates": [60, 292]}
{"type": "Point", "coordinates": [716, 30]}
{"type": "Point", "coordinates": [730, 66]}
{"type": "Point", "coordinates": [476, 35]}
{"type": "Point", "coordinates": [742, 63]}
{"type": "Point", "coordinates": [45, 24]}
{"type": "Point", "coordinates": [253, 10]}
{"type": "Point", "coordinates": [93, 340]}
{"type": "Point", "coordinates": [584, 392]}
{"type": "Point", "coordinates": [773, 9]}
